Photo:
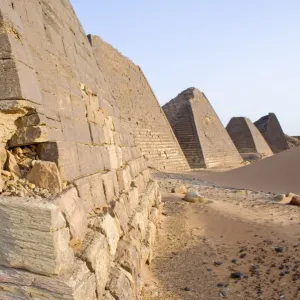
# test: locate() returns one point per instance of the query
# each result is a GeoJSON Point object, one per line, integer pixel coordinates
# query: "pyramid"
{"type": "Point", "coordinates": [202, 137]}
{"type": "Point", "coordinates": [270, 128]}
{"type": "Point", "coordinates": [246, 137]}
{"type": "Point", "coordinates": [139, 107]}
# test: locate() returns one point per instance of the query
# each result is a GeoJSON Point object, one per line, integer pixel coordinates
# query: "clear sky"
{"type": "Point", "coordinates": [243, 54]}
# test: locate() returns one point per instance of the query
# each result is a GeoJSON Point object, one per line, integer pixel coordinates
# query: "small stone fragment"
{"type": "Point", "coordinates": [237, 275]}
{"type": "Point", "coordinates": [279, 249]}
{"type": "Point", "coordinates": [295, 201]}
{"type": "Point", "coordinates": [180, 189]}
{"type": "Point", "coordinates": [194, 197]}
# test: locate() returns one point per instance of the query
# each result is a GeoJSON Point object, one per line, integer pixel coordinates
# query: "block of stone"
{"type": "Point", "coordinates": [12, 165]}
{"type": "Point", "coordinates": [96, 253]}
{"type": "Point", "coordinates": [33, 236]}
{"type": "Point", "coordinates": [200, 133]}
{"type": "Point", "coordinates": [45, 174]}
{"type": "Point", "coordinates": [90, 190]}
{"type": "Point", "coordinates": [110, 227]}
{"type": "Point", "coordinates": [124, 178]}
{"type": "Point", "coordinates": [74, 211]}
{"type": "Point", "coordinates": [121, 284]}
{"type": "Point", "coordinates": [77, 284]}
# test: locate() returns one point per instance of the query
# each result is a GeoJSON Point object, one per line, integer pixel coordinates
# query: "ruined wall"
{"type": "Point", "coordinates": [139, 106]}
{"type": "Point", "coordinates": [85, 219]}
{"type": "Point", "coordinates": [201, 135]}
{"type": "Point", "coordinates": [270, 128]}
{"type": "Point", "coordinates": [246, 137]}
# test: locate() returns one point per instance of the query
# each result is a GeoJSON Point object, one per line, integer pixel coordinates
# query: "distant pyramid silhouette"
{"type": "Point", "coordinates": [271, 129]}
{"type": "Point", "coordinates": [246, 137]}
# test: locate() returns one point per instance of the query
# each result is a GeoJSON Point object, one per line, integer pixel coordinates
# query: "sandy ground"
{"type": "Point", "coordinates": [200, 245]}
{"type": "Point", "coordinates": [278, 174]}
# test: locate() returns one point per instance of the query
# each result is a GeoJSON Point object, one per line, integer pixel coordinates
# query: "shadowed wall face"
{"type": "Point", "coordinates": [271, 129]}
{"type": "Point", "coordinates": [246, 137]}
{"type": "Point", "coordinates": [138, 106]}
{"type": "Point", "coordinates": [214, 146]}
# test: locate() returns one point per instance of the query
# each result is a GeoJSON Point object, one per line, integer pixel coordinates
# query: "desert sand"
{"type": "Point", "coordinates": [239, 230]}
{"type": "Point", "coordinates": [277, 174]}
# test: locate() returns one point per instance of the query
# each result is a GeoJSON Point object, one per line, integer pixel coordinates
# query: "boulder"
{"type": "Point", "coordinates": [295, 201]}
{"type": "Point", "coordinates": [3, 157]}
{"type": "Point", "coordinates": [45, 174]}
{"type": "Point", "coordinates": [194, 197]}
{"type": "Point", "coordinates": [180, 189]}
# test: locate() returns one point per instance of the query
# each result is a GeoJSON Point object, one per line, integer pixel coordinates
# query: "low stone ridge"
{"type": "Point", "coordinates": [271, 130]}
{"type": "Point", "coordinates": [78, 206]}
{"type": "Point", "coordinates": [246, 137]}
{"type": "Point", "coordinates": [138, 105]}
{"type": "Point", "coordinates": [202, 137]}
{"type": "Point", "coordinates": [292, 141]}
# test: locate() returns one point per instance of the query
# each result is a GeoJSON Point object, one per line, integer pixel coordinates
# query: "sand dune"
{"type": "Point", "coordinates": [279, 173]}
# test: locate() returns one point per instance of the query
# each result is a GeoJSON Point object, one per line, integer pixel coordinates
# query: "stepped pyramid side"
{"type": "Point", "coordinates": [139, 106]}
{"type": "Point", "coordinates": [270, 128]}
{"type": "Point", "coordinates": [246, 137]}
{"type": "Point", "coordinates": [203, 138]}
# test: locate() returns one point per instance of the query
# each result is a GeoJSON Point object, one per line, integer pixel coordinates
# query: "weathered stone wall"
{"type": "Point", "coordinates": [139, 106]}
{"type": "Point", "coordinates": [270, 128]}
{"type": "Point", "coordinates": [91, 240]}
{"type": "Point", "coordinates": [246, 137]}
{"type": "Point", "coordinates": [197, 126]}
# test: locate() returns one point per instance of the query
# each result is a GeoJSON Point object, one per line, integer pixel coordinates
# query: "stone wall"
{"type": "Point", "coordinates": [246, 137]}
{"type": "Point", "coordinates": [89, 237]}
{"type": "Point", "coordinates": [270, 128]}
{"type": "Point", "coordinates": [139, 106]}
{"type": "Point", "coordinates": [201, 135]}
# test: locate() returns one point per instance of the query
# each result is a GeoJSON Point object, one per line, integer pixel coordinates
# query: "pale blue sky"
{"type": "Point", "coordinates": [243, 54]}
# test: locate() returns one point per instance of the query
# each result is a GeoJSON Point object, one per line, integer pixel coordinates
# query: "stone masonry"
{"type": "Point", "coordinates": [83, 222]}
{"type": "Point", "coordinates": [139, 106]}
{"type": "Point", "coordinates": [270, 128]}
{"type": "Point", "coordinates": [246, 137]}
{"type": "Point", "coordinates": [202, 137]}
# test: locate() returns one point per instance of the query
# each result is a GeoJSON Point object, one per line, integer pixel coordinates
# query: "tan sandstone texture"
{"type": "Point", "coordinates": [201, 135]}
{"type": "Point", "coordinates": [139, 106]}
{"type": "Point", "coordinates": [78, 205]}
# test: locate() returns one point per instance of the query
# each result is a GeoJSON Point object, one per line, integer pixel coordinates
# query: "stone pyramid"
{"type": "Point", "coordinates": [246, 137]}
{"type": "Point", "coordinates": [202, 137]}
{"type": "Point", "coordinates": [270, 128]}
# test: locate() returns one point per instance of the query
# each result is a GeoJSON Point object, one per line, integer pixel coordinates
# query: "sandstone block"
{"type": "Point", "coordinates": [45, 175]}
{"type": "Point", "coordinates": [124, 178]}
{"type": "Point", "coordinates": [97, 254]}
{"type": "Point", "coordinates": [74, 211]}
{"type": "Point", "coordinates": [110, 227]}
{"type": "Point", "coordinates": [3, 157]}
{"type": "Point", "coordinates": [133, 195]}
{"type": "Point", "coordinates": [128, 256]}
{"type": "Point", "coordinates": [121, 284]}
{"type": "Point", "coordinates": [120, 211]}
{"type": "Point", "coordinates": [90, 190]}
{"type": "Point", "coordinates": [77, 284]}
{"type": "Point", "coordinates": [33, 236]}
{"type": "Point", "coordinates": [12, 165]}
